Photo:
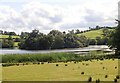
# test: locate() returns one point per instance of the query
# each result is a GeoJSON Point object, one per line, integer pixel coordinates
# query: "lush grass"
{"type": "Point", "coordinates": [54, 57]}
{"type": "Point", "coordinates": [6, 36]}
{"type": "Point", "coordinates": [94, 33]}
{"type": "Point", "coordinates": [71, 72]}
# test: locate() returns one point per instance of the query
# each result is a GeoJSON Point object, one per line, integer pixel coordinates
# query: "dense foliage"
{"type": "Point", "coordinates": [7, 43]}
{"type": "Point", "coordinates": [115, 39]}
{"type": "Point", "coordinates": [53, 40]}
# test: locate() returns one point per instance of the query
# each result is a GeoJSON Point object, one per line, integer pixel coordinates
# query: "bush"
{"type": "Point", "coordinates": [98, 81]}
{"type": "Point", "coordinates": [103, 67]}
{"type": "Point", "coordinates": [8, 64]}
{"type": "Point", "coordinates": [90, 79]}
{"type": "Point", "coordinates": [23, 64]}
{"type": "Point", "coordinates": [115, 67]}
{"type": "Point", "coordinates": [118, 77]}
{"type": "Point", "coordinates": [66, 65]}
{"type": "Point", "coordinates": [87, 64]}
{"type": "Point", "coordinates": [106, 76]}
{"type": "Point", "coordinates": [26, 63]}
{"type": "Point", "coordinates": [83, 63]}
{"type": "Point", "coordinates": [17, 64]}
{"type": "Point", "coordinates": [38, 63]}
{"type": "Point", "coordinates": [115, 80]}
{"type": "Point", "coordinates": [75, 62]}
{"type": "Point", "coordinates": [82, 72]}
{"type": "Point", "coordinates": [57, 65]}
{"type": "Point", "coordinates": [42, 62]}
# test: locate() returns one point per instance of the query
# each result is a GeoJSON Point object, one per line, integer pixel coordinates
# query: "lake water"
{"type": "Point", "coordinates": [77, 50]}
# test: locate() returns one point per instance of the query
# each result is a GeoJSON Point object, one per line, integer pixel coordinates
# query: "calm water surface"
{"type": "Point", "coordinates": [79, 50]}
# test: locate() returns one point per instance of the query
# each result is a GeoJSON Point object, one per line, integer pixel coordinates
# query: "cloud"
{"type": "Point", "coordinates": [45, 17]}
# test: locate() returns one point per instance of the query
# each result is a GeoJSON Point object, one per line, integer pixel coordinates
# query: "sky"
{"type": "Point", "coordinates": [63, 15]}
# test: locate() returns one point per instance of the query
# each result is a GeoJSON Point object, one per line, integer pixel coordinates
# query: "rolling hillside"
{"type": "Point", "coordinates": [6, 36]}
{"type": "Point", "coordinates": [94, 33]}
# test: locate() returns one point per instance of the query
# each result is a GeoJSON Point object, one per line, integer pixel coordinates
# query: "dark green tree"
{"type": "Point", "coordinates": [115, 39]}
{"type": "Point", "coordinates": [7, 43]}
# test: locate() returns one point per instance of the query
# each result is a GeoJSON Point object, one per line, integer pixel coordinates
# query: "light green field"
{"type": "Point", "coordinates": [72, 72]}
{"type": "Point", "coordinates": [6, 36]}
{"type": "Point", "coordinates": [94, 33]}
{"type": "Point", "coordinates": [16, 44]}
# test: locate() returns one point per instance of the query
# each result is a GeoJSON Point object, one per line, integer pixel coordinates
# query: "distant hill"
{"type": "Point", "coordinates": [6, 36]}
{"type": "Point", "coordinates": [93, 33]}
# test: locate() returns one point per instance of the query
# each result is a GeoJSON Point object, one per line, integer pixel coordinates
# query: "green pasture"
{"type": "Point", "coordinates": [6, 36]}
{"type": "Point", "coordinates": [71, 72]}
{"type": "Point", "coordinates": [94, 33]}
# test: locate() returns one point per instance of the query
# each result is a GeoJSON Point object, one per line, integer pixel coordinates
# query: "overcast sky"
{"type": "Point", "coordinates": [63, 15]}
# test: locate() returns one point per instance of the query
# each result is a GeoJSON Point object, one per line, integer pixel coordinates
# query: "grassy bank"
{"type": "Point", "coordinates": [52, 57]}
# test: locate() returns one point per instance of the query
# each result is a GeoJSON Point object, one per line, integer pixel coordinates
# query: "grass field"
{"type": "Point", "coordinates": [6, 36]}
{"type": "Point", "coordinates": [16, 44]}
{"type": "Point", "coordinates": [94, 33]}
{"type": "Point", "coordinates": [71, 72]}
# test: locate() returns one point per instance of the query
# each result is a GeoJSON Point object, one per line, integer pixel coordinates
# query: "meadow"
{"type": "Point", "coordinates": [60, 67]}
{"type": "Point", "coordinates": [104, 70]}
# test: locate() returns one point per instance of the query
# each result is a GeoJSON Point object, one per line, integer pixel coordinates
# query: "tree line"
{"type": "Point", "coordinates": [53, 40]}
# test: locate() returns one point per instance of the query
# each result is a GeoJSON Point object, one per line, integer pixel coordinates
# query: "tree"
{"type": "Point", "coordinates": [7, 43]}
{"type": "Point", "coordinates": [99, 40]}
{"type": "Point", "coordinates": [1, 32]}
{"type": "Point", "coordinates": [115, 39]}
{"type": "Point", "coordinates": [77, 31]}
{"type": "Point", "coordinates": [57, 39]}
{"type": "Point", "coordinates": [92, 42]}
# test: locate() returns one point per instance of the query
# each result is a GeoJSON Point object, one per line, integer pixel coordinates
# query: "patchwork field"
{"type": "Point", "coordinates": [105, 70]}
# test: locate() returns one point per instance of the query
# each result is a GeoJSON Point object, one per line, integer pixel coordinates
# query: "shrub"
{"type": "Point", "coordinates": [115, 67]}
{"type": "Point", "coordinates": [34, 63]}
{"type": "Point", "coordinates": [106, 76]}
{"type": "Point", "coordinates": [75, 62]}
{"type": "Point", "coordinates": [113, 59]}
{"type": "Point", "coordinates": [103, 67]}
{"type": "Point", "coordinates": [115, 80]}
{"type": "Point", "coordinates": [83, 64]}
{"type": "Point", "coordinates": [101, 63]}
{"type": "Point", "coordinates": [38, 63]}
{"type": "Point", "coordinates": [42, 62]}
{"type": "Point", "coordinates": [57, 65]}
{"type": "Point", "coordinates": [66, 65]}
{"type": "Point", "coordinates": [118, 77]}
{"type": "Point", "coordinates": [23, 64]}
{"type": "Point", "coordinates": [26, 63]}
{"type": "Point", "coordinates": [90, 79]}
{"type": "Point", "coordinates": [87, 64]}
{"type": "Point", "coordinates": [82, 72]}
{"type": "Point", "coordinates": [101, 59]}
{"type": "Point", "coordinates": [8, 64]}
{"type": "Point", "coordinates": [98, 81]}
{"type": "Point", "coordinates": [17, 64]}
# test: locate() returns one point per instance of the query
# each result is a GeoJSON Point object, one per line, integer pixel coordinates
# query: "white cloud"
{"type": "Point", "coordinates": [45, 17]}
